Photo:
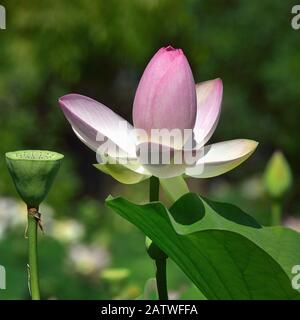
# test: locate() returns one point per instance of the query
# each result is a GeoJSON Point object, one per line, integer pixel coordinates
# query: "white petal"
{"type": "Point", "coordinates": [163, 161]}
{"type": "Point", "coordinates": [209, 99]}
{"type": "Point", "coordinates": [96, 125]}
{"type": "Point", "coordinates": [165, 171]}
{"type": "Point", "coordinates": [221, 157]}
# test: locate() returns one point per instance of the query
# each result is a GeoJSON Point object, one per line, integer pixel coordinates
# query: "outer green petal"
{"type": "Point", "coordinates": [174, 188]}
{"type": "Point", "coordinates": [121, 173]}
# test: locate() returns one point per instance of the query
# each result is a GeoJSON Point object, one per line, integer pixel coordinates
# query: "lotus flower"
{"type": "Point", "coordinates": [167, 100]}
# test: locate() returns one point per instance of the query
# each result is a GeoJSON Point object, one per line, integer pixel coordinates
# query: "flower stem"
{"type": "Point", "coordinates": [154, 189]}
{"type": "Point", "coordinates": [161, 260]}
{"type": "Point", "coordinates": [276, 213]}
{"type": "Point", "coordinates": [32, 253]}
{"type": "Point", "coordinates": [161, 278]}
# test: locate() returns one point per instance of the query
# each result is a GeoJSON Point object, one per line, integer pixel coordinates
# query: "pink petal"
{"type": "Point", "coordinates": [166, 95]}
{"type": "Point", "coordinates": [209, 99]}
{"type": "Point", "coordinates": [95, 124]}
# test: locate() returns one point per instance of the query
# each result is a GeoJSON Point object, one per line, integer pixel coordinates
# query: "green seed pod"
{"type": "Point", "coordinates": [278, 176]}
{"type": "Point", "coordinates": [33, 172]}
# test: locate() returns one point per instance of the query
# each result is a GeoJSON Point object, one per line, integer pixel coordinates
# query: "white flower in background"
{"type": "Point", "coordinates": [293, 223]}
{"type": "Point", "coordinates": [88, 259]}
{"type": "Point", "coordinates": [67, 230]}
{"type": "Point", "coordinates": [11, 214]}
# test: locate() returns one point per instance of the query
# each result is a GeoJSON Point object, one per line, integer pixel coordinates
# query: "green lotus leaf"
{"type": "Point", "coordinates": [224, 251]}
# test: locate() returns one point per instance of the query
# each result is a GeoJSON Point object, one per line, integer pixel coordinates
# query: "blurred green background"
{"type": "Point", "coordinates": [99, 48]}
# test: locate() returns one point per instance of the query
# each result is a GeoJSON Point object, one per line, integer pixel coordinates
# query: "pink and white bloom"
{"type": "Point", "coordinates": [166, 100]}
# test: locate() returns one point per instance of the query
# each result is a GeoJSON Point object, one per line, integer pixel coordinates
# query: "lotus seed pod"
{"type": "Point", "coordinates": [33, 172]}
